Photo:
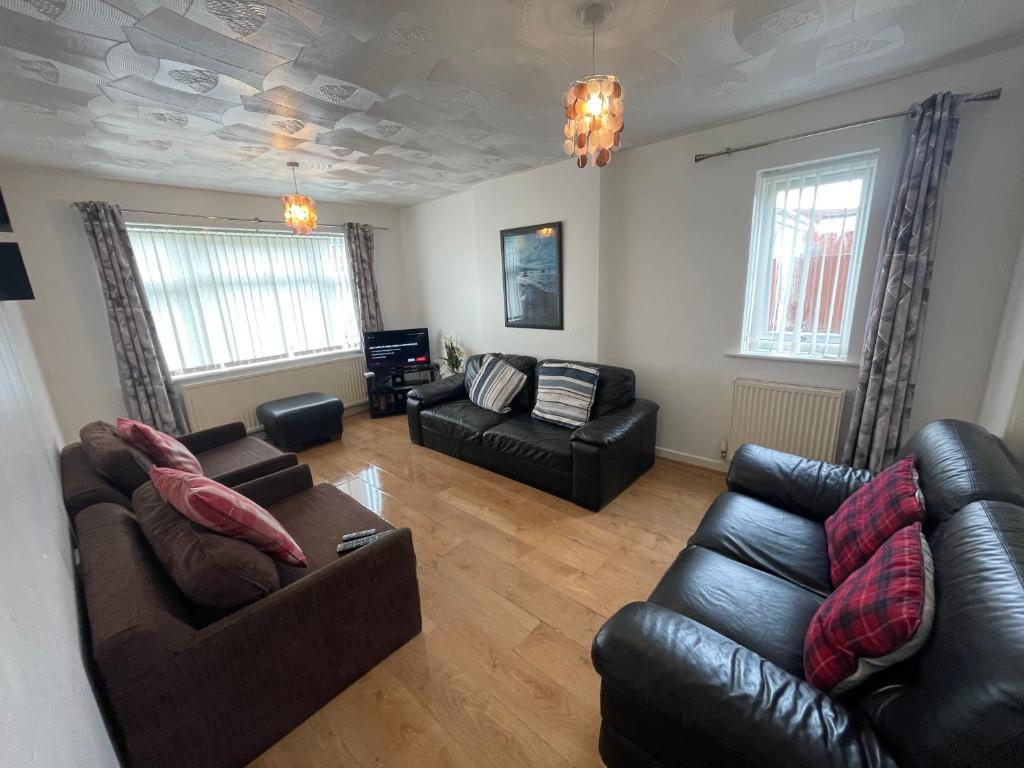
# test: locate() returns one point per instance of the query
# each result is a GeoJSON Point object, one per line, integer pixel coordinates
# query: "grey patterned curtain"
{"type": "Point", "coordinates": [145, 381]}
{"type": "Point", "coordinates": [888, 369]}
{"type": "Point", "coordinates": [359, 239]}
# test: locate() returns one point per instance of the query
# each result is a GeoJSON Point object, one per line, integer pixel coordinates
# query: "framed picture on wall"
{"type": "Point", "coordinates": [5, 220]}
{"type": "Point", "coordinates": [531, 268]}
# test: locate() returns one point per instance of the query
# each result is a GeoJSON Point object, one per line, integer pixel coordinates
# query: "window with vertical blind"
{"type": "Point", "coordinates": [227, 298]}
{"type": "Point", "coordinates": [806, 247]}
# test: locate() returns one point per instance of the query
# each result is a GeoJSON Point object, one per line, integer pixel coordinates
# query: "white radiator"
{"type": "Point", "coordinates": [791, 418]}
{"type": "Point", "coordinates": [234, 398]}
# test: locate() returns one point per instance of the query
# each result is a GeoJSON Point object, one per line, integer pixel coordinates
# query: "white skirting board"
{"type": "Point", "coordinates": [691, 458]}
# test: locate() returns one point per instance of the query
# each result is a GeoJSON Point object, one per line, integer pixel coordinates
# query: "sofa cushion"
{"type": "Point", "coordinates": [959, 463]}
{"type": "Point", "coordinates": [524, 400]}
{"type": "Point", "coordinates": [532, 440]}
{"type": "Point", "coordinates": [461, 419]}
{"type": "Point", "coordinates": [616, 388]}
{"type": "Point", "coordinates": [82, 484]}
{"type": "Point", "coordinates": [565, 393]}
{"type": "Point", "coordinates": [496, 385]}
{"type": "Point", "coordinates": [221, 509]}
{"type": "Point", "coordinates": [163, 449]}
{"type": "Point", "coordinates": [119, 462]}
{"type": "Point", "coordinates": [881, 615]}
{"type": "Point", "coordinates": [758, 610]}
{"type": "Point", "coordinates": [211, 570]}
{"type": "Point", "coordinates": [768, 538]}
{"type": "Point", "coordinates": [236, 455]}
{"type": "Point", "coordinates": [871, 514]}
{"type": "Point", "coordinates": [317, 518]}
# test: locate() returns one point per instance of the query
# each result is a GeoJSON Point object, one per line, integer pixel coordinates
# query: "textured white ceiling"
{"type": "Point", "coordinates": [404, 100]}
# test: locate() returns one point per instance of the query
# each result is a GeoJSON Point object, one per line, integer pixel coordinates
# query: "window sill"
{"type": "Point", "coordinates": [256, 369]}
{"type": "Point", "coordinates": [790, 359]}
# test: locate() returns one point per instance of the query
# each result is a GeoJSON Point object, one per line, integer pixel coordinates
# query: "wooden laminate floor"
{"type": "Point", "coordinates": [514, 584]}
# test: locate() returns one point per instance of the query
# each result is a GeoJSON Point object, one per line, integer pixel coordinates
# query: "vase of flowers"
{"type": "Point", "coordinates": [453, 355]}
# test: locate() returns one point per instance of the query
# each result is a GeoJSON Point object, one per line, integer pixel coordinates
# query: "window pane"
{"type": "Point", "coordinates": [227, 298]}
{"type": "Point", "coordinates": [806, 245]}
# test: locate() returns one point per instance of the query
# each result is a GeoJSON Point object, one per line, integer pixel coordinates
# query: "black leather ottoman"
{"type": "Point", "coordinates": [294, 422]}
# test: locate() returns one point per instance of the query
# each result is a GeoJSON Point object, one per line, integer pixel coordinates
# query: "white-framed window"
{"type": "Point", "coordinates": [227, 298]}
{"type": "Point", "coordinates": [806, 248]}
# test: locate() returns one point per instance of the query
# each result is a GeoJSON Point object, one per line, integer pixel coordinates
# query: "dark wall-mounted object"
{"type": "Point", "coordinates": [5, 220]}
{"type": "Point", "coordinates": [14, 284]}
{"type": "Point", "coordinates": [531, 267]}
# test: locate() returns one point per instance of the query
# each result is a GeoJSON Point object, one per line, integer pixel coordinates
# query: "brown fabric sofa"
{"type": "Point", "coordinates": [189, 689]}
{"type": "Point", "coordinates": [104, 468]}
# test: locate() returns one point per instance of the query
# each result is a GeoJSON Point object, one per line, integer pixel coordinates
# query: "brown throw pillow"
{"type": "Point", "coordinates": [123, 466]}
{"type": "Point", "coordinates": [212, 570]}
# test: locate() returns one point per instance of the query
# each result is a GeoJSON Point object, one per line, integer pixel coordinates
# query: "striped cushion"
{"type": "Point", "coordinates": [565, 393]}
{"type": "Point", "coordinates": [496, 384]}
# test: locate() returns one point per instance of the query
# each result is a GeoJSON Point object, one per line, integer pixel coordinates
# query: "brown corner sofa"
{"type": "Point", "coordinates": [104, 468]}
{"type": "Point", "coordinates": [187, 686]}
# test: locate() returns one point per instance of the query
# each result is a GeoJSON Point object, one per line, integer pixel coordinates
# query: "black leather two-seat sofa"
{"type": "Point", "coordinates": [589, 465]}
{"type": "Point", "coordinates": [708, 671]}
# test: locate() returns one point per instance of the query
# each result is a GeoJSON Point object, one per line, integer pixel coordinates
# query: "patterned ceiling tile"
{"type": "Point", "coordinates": [398, 101]}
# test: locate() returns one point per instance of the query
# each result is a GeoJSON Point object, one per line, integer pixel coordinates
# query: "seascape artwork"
{"type": "Point", "coordinates": [532, 272]}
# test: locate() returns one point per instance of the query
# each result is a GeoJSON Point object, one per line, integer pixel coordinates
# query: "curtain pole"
{"type": "Point", "coordinates": [992, 95]}
{"type": "Point", "coordinates": [253, 220]}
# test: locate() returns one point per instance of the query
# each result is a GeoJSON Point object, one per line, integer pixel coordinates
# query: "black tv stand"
{"type": "Point", "coordinates": [386, 388]}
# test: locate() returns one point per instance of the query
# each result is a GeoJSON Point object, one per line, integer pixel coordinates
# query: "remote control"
{"type": "Point", "coordinates": [348, 546]}
{"type": "Point", "coordinates": [358, 534]}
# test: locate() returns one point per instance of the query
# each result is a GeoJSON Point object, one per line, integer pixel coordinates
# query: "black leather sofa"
{"type": "Point", "coordinates": [590, 465]}
{"type": "Point", "coordinates": [708, 671]}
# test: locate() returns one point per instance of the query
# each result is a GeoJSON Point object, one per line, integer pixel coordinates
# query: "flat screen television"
{"type": "Point", "coordinates": [393, 349]}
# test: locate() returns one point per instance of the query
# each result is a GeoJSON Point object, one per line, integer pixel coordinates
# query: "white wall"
{"type": "Point", "coordinates": [67, 322]}
{"type": "Point", "coordinates": [673, 238]}
{"type": "Point", "coordinates": [453, 249]}
{"type": "Point", "coordinates": [1002, 408]}
{"type": "Point", "coordinates": [48, 715]}
{"type": "Point", "coordinates": [442, 268]}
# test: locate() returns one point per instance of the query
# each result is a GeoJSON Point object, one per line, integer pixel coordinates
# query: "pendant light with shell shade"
{"type": "Point", "coordinates": [299, 210]}
{"type": "Point", "coordinates": [593, 106]}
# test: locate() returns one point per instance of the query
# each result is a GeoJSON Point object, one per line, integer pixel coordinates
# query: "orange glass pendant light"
{"type": "Point", "coordinates": [593, 107]}
{"type": "Point", "coordinates": [299, 210]}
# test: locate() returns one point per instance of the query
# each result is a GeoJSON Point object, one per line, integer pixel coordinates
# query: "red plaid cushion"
{"type": "Point", "coordinates": [881, 615]}
{"type": "Point", "coordinates": [217, 507]}
{"type": "Point", "coordinates": [872, 514]}
{"type": "Point", "coordinates": [161, 448]}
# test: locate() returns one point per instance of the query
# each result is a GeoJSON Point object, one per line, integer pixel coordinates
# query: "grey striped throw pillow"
{"type": "Point", "coordinates": [565, 393]}
{"type": "Point", "coordinates": [496, 384]}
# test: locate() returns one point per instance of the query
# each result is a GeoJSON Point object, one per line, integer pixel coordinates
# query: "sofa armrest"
{"type": "Point", "coordinates": [271, 489]}
{"type": "Point", "coordinates": [214, 437]}
{"type": "Point", "coordinates": [812, 489]}
{"type": "Point", "coordinates": [262, 670]}
{"type": "Point", "coordinates": [616, 424]}
{"type": "Point", "coordinates": [258, 470]}
{"type": "Point", "coordinates": [725, 699]}
{"type": "Point", "coordinates": [426, 395]}
{"type": "Point", "coordinates": [611, 452]}
{"type": "Point", "coordinates": [439, 391]}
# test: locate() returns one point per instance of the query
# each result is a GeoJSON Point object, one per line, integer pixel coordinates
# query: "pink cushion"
{"type": "Point", "coordinates": [872, 513]}
{"type": "Point", "coordinates": [163, 449]}
{"type": "Point", "coordinates": [217, 507]}
{"type": "Point", "coordinates": [882, 614]}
